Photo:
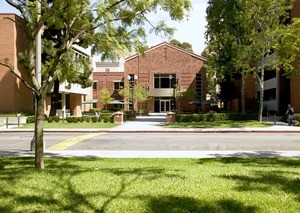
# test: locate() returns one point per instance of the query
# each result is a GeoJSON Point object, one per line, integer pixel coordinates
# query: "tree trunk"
{"type": "Point", "coordinates": [243, 93]}
{"type": "Point", "coordinates": [261, 97]}
{"type": "Point", "coordinates": [54, 98]}
{"type": "Point", "coordinates": [39, 132]}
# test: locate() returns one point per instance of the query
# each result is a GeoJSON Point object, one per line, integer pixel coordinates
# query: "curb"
{"type": "Point", "coordinates": [154, 131]}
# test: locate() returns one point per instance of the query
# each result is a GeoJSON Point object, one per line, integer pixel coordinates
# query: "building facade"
{"type": "Point", "coordinates": [163, 70]}
{"type": "Point", "coordinates": [18, 98]}
{"type": "Point", "coordinates": [279, 91]}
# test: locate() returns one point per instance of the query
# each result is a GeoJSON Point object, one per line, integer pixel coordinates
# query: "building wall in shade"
{"type": "Point", "coordinates": [14, 95]}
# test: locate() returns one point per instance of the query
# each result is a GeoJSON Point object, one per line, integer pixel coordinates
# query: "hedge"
{"type": "Point", "coordinates": [107, 117]}
{"type": "Point", "coordinates": [50, 119]}
{"type": "Point", "coordinates": [186, 118]}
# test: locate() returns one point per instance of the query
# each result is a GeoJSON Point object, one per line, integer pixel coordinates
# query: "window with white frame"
{"type": "Point", "coordinates": [118, 85]}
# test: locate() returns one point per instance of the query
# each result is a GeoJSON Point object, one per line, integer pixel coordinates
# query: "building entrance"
{"type": "Point", "coordinates": [165, 105]}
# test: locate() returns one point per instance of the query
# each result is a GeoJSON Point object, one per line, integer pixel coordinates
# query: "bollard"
{"type": "Point", "coordinates": [18, 117]}
{"type": "Point", "coordinates": [6, 123]}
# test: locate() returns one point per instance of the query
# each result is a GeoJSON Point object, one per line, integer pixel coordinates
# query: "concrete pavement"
{"type": "Point", "coordinates": [155, 123]}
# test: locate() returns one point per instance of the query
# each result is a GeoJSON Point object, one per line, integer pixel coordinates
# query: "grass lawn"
{"type": "Point", "coordinates": [62, 125]}
{"type": "Point", "coordinates": [219, 124]}
{"type": "Point", "coordinates": [150, 185]}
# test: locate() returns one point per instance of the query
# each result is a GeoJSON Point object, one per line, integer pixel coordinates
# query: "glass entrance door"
{"type": "Point", "coordinates": [165, 105]}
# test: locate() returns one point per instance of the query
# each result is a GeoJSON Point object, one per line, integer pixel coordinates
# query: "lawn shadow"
{"type": "Point", "coordinates": [280, 175]}
{"type": "Point", "coordinates": [62, 173]}
{"type": "Point", "coordinates": [186, 204]}
{"type": "Point", "coordinates": [266, 181]}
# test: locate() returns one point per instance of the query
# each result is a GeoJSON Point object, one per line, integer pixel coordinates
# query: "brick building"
{"type": "Point", "coordinates": [18, 98]}
{"type": "Point", "coordinates": [163, 69]}
{"type": "Point", "coordinates": [14, 95]}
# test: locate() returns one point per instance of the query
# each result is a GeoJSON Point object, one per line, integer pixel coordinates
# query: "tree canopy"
{"type": "Point", "coordinates": [110, 28]}
{"type": "Point", "coordinates": [245, 37]}
{"type": "Point", "coordinates": [184, 45]}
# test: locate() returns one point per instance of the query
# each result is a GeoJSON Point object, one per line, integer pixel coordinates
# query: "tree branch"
{"type": "Point", "coordinates": [11, 69]}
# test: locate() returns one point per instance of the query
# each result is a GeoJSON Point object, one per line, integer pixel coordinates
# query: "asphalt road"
{"type": "Point", "coordinates": [156, 141]}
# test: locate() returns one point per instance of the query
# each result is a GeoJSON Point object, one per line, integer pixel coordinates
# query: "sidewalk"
{"type": "Point", "coordinates": [156, 122]}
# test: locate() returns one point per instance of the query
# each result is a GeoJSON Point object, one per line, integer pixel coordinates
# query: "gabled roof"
{"type": "Point", "coordinates": [171, 46]}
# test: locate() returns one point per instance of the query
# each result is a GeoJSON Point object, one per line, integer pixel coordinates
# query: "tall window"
{"type": "Point", "coordinates": [118, 85]}
{"type": "Point", "coordinates": [199, 86]}
{"type": "Point", "coordinates": [164, 80]}
{"type": "Point", "coordinates": [95, 85]}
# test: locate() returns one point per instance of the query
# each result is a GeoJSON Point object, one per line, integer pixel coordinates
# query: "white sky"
{"type": "Point", "coordinates": [191, 30]}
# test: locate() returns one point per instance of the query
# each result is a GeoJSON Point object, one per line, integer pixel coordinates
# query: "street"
{"type": "Point", "coordinates": [156, 141]}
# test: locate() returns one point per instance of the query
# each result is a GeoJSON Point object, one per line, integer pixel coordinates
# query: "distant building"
{"type": "Point", "coordinates": [163, 69]}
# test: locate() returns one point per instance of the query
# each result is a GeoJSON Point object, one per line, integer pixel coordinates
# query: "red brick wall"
{"type": "Point", "coordinates": [18, 98]}
{"type": "Point", "coordinates": [165, 59]}
{"type": "Point", "coordinates": [105, 80]}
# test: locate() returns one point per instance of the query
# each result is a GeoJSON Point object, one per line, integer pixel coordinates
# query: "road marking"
{"type": "Point", "coordinates": [72, 141]}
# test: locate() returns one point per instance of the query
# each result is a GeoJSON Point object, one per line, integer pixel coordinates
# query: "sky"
{"type": "Point", "coordinates": [190, 30]}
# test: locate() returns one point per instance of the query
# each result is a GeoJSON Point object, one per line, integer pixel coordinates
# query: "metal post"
{"type": "Point", "coordinates": [6, 123]}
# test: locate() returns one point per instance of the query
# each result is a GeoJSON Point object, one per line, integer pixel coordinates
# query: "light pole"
{"type": "Point", "coordinates": [132, 79]}
{"type": "Point", "coordinates": [172, 85]}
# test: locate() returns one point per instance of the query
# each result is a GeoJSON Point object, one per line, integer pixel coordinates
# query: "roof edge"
{"type": "Point", "coordinates": [170, 45]}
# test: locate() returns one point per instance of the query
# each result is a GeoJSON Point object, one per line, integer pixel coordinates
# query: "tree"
{"type": "Point", "coordinates": [105, 97]}
{"type": "Point", "coordinates": [110, 28]}
{"type": "Point", "coordinates": [141, 94]}
{"type": "Point", "coordinates": [226, 31]}
{"type": "Point", "coordinates": [138, 92]}
{"type": "Point", "coordinates": [268, 20]}
{"type": "Point", "coordinates": [243, 39]}
{"type": "Point", "coordinates": [185, 45]}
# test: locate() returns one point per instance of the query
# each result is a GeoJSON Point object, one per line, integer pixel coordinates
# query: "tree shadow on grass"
{"type": "Point", "coordinates": [61, 178]}
{"type": "Point", "coordinates": [265, 174]}
{"type": "Point", "coordinates": [186, 204]}
{"type": "Point", "coordinates": [246, 159]}
{"type": "Point", "coordinates": [266, 181]}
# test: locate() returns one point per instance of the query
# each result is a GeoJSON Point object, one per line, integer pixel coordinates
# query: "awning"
{"type": "Point", "coordinates": [115, 102]}
{"type": "Point", "coordinates": [119, 102]}
{"type": "Point", "coordinates": [90, 101]}
{"type": "Point", "coordinates": [195, 102]}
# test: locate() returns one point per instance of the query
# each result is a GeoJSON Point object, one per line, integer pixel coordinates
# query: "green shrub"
{"type": "Point", "coordinates": [94, 119]}
{"type": "Point", "coordinates": [69, 119]}
{"type": "Point", "coordinates": [186, 118]}
{"type": "Point", "coordinates": [31, 119]}
{"type": "Point", "coordinates": [56, 119]}
{"type": "Point", "coordinates": [81, 119]}
{"type": "Point", "coordinates": [50, 119]}
{"type": "Point", "coordinates": [100, 119]}
{"type": "Point", "coordinates": [87, 119]}
{"type": "Point", "coordinates": [75, 119]}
